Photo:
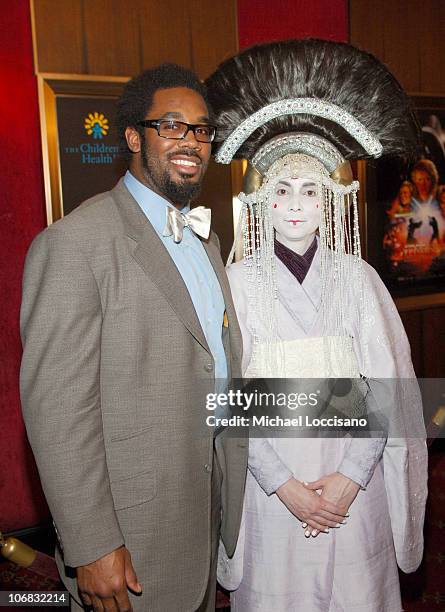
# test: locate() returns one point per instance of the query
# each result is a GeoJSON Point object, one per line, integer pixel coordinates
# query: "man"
{"type": "Point", "coordinates": [127, 321]}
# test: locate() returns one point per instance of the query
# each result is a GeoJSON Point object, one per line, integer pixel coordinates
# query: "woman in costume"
{"type": "Point", "coordinates": [310, 307]}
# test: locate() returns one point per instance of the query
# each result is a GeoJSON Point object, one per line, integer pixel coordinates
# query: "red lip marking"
{"type": "Point", "coordinates": [295, 221]}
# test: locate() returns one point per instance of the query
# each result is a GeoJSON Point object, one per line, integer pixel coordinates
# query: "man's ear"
{"type": "Point", "coordinates": [133, 139]}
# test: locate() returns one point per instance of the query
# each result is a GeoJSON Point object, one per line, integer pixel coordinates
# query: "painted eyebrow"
{"type": "Point", "coordinates": [307, 184]}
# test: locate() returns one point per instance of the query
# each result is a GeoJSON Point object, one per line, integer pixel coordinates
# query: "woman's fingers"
{"type": "Point", "coordinates": [331, 518]}
{"type": "Point", "coordinates": [333, 509]}
{"type": "Point", "coordinates": [326, 522]}
{"type": "Point", "coordinates": [314, 525]}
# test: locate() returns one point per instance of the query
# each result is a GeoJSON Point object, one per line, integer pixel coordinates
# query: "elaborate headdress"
{"type": "Point", "coordinates": [312, 105]}
{"type": "Point", "coordinates": [318, 87]}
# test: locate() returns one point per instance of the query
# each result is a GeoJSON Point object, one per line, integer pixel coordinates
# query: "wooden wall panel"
{"type": "Point", "coordinates": [121, 37]}
{"type": "Point", "coordinates": [58, 36]}
{"type": "Point", "coordinates": [432, 47]}
{"type": "Point", "coordinates": [111, 35]}
{"type": "Point", "coordinates": [408, 36]}
{"type": "Point", "coordinates": [366, 27]}
{"type": "Point", "coordinates": [214, 34]}
{"type": "Point", "coordinates": [216, 193]}
{"type": "Point", "coordinates": [165, 32]}
{"type": "Point", "coordinates": [401, 41]}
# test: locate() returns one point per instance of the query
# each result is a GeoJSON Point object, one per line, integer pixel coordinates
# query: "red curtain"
{"type": "Point", "coordinates": [21, 218]}
{"type": "Point", "coordinates": [262, 21]}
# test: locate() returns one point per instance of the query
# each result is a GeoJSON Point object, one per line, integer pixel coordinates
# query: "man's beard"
{"type": "Point", "coordinates": [177, 192]}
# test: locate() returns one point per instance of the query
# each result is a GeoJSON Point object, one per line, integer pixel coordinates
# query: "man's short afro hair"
{"type": "Point", "coordinates": [137, 97]}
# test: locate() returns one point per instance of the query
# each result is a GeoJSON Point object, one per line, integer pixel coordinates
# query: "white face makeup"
{"type": "Point", "coordinates": [296, 208]}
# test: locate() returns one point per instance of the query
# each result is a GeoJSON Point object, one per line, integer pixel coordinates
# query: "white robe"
{"type": "Point", "coordinates": [353, 568]}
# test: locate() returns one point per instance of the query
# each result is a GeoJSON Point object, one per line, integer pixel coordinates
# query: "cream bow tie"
{"type": "Point", "coordinates": [197, 219]}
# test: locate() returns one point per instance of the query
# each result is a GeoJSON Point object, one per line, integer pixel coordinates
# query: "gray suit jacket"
{"type": "Point", "coordinates": [114, 373]}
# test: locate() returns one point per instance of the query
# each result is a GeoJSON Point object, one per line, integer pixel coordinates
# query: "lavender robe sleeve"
{"type": "Point", "coordinates": [266, 466]}
{"type": "Point", "coordinates": [385, 360]}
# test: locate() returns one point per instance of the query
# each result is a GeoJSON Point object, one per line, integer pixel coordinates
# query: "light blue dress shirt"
{"type": "Point", "coordinates": [195, 268]}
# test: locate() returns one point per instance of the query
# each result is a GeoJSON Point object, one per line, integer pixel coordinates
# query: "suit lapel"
{"type": "Point", "coordinates": [214, 255]}
{"type": "Point", "coordinates": [155, 261]}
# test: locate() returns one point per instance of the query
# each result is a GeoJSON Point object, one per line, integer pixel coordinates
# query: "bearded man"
{"type": "Point", "coordinates": [127, 323]}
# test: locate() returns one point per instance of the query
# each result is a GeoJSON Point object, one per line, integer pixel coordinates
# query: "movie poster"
{"type": "Point", "coordinates": [413, 198]}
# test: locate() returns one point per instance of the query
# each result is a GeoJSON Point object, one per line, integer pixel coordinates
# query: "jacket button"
{"type": "Point", "coordinates": [207, 467]}
{"type": "Point", "coordinates": [208, 367]}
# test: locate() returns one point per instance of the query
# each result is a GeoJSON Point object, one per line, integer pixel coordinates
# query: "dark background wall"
{"type": "Point", "coordinates": [409, 35]}
{"type": "Point", "coordinates": [117, 37]}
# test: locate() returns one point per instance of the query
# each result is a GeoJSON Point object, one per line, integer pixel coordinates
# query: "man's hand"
{"type": "Point", "coordinates": [317, 512]}
{"type": "Point", "coordinates": [336, 489]}
{"type": "Point", "coordinates": [103, 583]}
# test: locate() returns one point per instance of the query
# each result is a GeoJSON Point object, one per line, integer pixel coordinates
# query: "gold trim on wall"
{"type": "Point", "coordinates": [34, 36]}
{"type": "Point", "coordinates": [50, 87]}
{"type": "Point", "coordinates": [420, 302]}
{"type": "Point", "coordinates": [238, 169]}
{"type": "Point", "coordinates": [362, 208]}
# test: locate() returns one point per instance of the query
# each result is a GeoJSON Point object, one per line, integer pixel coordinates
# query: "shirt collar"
{"type": "Point", "coordinates": [152, 204]}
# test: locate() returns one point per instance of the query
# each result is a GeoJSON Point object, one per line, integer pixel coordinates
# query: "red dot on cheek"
{"type": "Point", "coordinates": [275, 205]}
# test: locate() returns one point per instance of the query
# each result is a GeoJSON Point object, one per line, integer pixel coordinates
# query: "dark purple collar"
{"type": "Point", "coordinates": [298, 265]}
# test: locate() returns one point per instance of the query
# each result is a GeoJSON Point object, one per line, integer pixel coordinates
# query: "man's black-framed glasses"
{"type": "Point", "coordinates": [177, 130]}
